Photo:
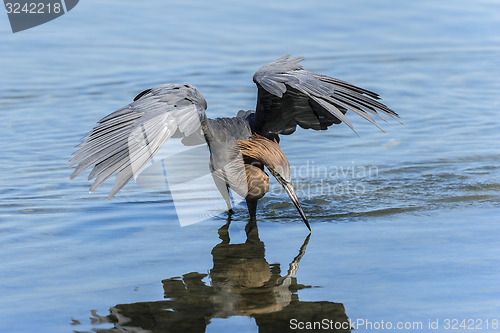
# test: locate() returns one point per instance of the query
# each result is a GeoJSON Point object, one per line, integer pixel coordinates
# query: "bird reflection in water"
{"type": "Point", "coordinates": [242, 283]}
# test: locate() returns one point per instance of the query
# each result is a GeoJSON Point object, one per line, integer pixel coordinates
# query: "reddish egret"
{"type": "Point", "coordinates": [287, 96]}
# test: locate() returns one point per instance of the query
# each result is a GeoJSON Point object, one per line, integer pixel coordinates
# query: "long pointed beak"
{"type": "Point", "coordinates": [291, 193]}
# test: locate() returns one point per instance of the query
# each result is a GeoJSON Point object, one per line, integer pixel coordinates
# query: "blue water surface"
{"type": "Point", "coordinates": [404, 224]}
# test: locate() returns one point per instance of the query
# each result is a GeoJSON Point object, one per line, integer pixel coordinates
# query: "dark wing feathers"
{"type": "Point", "coordinates": [142, 93]}
{"type": "Point", "coordinates": [289, 96]}
{"type": "Point", "coordinates": [125, 141]}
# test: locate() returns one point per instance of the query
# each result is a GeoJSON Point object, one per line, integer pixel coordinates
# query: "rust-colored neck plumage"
{"type": "Point", "coordinates": [258, 152]}
{"type": "Point", "coordinates": [265, 151]}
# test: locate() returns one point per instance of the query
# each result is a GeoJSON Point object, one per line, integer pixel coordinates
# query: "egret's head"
{"type": "Point", "coordinates": [269, 153]}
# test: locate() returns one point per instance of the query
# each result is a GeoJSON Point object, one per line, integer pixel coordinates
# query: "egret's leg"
{"type": "Point", "coordinates": [252, 207]}
{"type": "Point", "coordinates": [223, 188]}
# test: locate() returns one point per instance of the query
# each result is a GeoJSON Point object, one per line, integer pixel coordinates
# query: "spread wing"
{"type": "Point", "coordinates": [124, 142]}
{"type": "Point", "coordinates": [289, 96]}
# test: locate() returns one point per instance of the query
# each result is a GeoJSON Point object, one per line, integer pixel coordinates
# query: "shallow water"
{"type": "Point", "coordinates": [405, 224]}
